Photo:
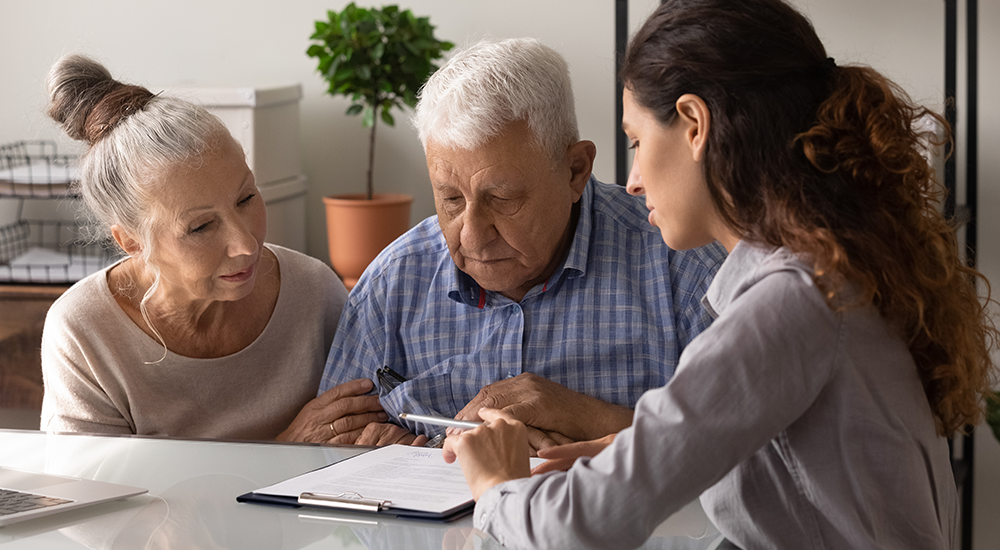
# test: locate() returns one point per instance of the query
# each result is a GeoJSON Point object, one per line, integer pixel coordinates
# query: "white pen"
{"type": "Point", "coordinates": [442, 421]}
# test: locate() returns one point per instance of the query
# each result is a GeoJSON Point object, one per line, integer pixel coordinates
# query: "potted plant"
{"type": "Point", "coordinates": [379, 57]}
{"type": "Point", "coordinates": [993, 413]}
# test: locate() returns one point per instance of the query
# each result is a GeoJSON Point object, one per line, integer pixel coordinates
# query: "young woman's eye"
{"type": "Point", "coordinates": [634, 145]}
{"type": "Point", "coordinates": [247, 199]}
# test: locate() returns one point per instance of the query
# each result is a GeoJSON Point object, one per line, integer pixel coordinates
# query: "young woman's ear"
{"type": "Point", "coordinates": [125, 240]}
{"type": "Point", "coordinates": [693, 113]}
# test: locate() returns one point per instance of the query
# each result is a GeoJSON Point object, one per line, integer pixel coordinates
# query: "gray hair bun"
{"type": "Point", "coordinates": [86, 101]}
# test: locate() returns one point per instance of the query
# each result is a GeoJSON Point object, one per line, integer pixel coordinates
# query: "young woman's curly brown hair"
{"type": "Point", "coordinates": [827, 161]}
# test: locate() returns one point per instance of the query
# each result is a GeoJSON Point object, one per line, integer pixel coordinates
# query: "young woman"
{"type": "Point", "coordinates": [203, 330]}
{"type": "Point", "coordinates": [848, 341]}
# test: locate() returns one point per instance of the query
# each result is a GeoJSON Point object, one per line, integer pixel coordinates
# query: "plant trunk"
{"type": "Point", "coordinates": [371, 159]}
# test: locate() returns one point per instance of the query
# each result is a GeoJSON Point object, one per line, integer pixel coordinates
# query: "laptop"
{"type": "Point", "coordinates": [28, 495]}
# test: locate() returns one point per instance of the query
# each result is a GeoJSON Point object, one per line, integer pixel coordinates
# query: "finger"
{"type": "Point", "coordinates": [571, 450]}
{"type": "Point", "coordinates": [471, 410]}
{"type": "Point", "coordinates": [448, 452]}
{"type": "Point", "coordinates": [420, 441]}
{"type": "Point", "coordinates": [559, 438]}
{"type": "Point", "coordinates": [348, 406]}
{"type": "Point", "coordinates": [538, 440]}
{"type": "Point", "coordinates": [371, 434]}
{"type": "Point", "coordinates": [348, 438]}
{"type": "Point", "coordinates": [360, 386]}
{"type": "Point", "coordinates": [353, 422]}
{"type": "Point", "coordinates": [493, 415]}
{"type": "Point", "coordinates": [555, 465]}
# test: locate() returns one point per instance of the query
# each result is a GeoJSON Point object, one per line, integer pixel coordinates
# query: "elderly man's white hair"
{"type": "Point", "coordinates": [491, 84]}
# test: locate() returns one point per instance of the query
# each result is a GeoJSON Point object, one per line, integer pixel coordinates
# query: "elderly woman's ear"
{"type": "Point", "coordinates": [125, 240]}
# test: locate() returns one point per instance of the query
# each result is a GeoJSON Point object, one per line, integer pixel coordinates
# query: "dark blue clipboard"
{"type": "Point", "coordinates": [349, 505]}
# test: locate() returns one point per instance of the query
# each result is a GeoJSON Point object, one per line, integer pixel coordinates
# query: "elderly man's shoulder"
{"type": "Point", "coordinates": [613, 204]}
{"type": "Point", "coordinates": [618, 212]}
{"type": "Point", "coordinates": [418, 252]}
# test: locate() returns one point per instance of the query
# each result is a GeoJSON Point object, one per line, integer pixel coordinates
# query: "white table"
{"type": "Point", "coordinates": [191, 503]}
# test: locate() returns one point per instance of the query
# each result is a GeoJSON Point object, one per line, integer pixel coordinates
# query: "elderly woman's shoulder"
{"type": "Point", "coordinates": [89, 299]}
{"type": "Point", "coordinates": [306, 272]}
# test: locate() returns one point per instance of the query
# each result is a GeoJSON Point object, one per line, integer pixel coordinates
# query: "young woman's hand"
{"type": "Point", "coordinates": [563, 456]}
{"type": "Point", "coordinates": [492, 453]}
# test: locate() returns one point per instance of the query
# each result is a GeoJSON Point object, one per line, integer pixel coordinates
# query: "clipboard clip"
{"type": "Point", "coordinates": [348, 500]}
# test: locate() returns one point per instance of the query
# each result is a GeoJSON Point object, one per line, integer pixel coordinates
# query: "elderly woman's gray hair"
{"type": "Point", "coordinates": [489, 85]}
{"type": "Point", "coordinates": [134, 136]}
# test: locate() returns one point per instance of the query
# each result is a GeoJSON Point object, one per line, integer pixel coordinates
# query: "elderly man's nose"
{"type": "Point", "coordinates": [477, 228]}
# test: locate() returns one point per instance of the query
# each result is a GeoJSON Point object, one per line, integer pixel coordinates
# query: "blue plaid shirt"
{"type": "Point", "coordinates": [610, 322]}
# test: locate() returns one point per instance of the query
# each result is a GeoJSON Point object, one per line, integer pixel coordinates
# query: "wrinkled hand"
{"type": "Point", "coordinates": [541, 439]}
{"type": "Point", "coordinates": [490, 454]}
{"type": "Point", "coordinates": [389, 434]}
{"type": "Point", "coordinates": [563, 456]}
{"type": "Point", "coordinates": [339, 415]}
{"type": "Point", "coordinates": [551, 407]}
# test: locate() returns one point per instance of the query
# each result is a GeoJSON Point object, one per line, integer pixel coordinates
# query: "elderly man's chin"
{"type": "Point", "coordinates": [495, 275]}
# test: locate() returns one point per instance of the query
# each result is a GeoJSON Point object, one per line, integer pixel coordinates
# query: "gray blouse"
{"type": "Point", "coordinates": [798, 426]}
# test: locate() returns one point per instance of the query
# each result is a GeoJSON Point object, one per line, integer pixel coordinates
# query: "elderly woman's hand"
{"type": "Point", "coordinates": [339, 415]}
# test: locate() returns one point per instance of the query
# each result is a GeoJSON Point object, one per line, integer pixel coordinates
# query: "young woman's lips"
{"type": "Point", "coordinates": [239, 276]}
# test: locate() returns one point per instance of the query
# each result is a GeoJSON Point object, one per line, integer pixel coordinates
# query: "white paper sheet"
{"type": "Point", "coordinates": [412, 478]}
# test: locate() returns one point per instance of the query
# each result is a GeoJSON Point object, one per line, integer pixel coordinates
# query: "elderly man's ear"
{"type": "Point", "coordinates": [129, 244]}
{"type": "Point", "coordinates": [581, 157]}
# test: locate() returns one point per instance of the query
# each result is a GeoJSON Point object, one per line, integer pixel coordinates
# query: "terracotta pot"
{"type": "Point", "coordinates": [358, 229]}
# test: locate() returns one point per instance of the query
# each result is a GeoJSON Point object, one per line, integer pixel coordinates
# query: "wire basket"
{"type": "Point", "coordinates": [50, 252]}
{"type": "Point", "coordinates": [35, 169]}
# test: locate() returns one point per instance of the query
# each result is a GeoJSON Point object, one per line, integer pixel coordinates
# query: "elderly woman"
{"type": "Point", "coordinates": [203, 330]}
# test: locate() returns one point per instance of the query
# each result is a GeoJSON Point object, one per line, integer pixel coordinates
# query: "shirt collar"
{"type": "Point", "coordinates": [747, 264]}
{"type": "Point", "coordinates": [464, 289]}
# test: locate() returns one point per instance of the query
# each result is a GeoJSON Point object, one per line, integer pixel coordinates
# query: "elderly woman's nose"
{"type": "Point", "coordinates": [242, 241]}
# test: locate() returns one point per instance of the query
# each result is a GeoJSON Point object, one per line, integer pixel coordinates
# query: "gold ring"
{"type": "Point", "coordinates": [331, 427]}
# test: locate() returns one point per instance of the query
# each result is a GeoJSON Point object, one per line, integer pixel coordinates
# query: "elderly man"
{"type": "Point", "coordinates": [535, 288]}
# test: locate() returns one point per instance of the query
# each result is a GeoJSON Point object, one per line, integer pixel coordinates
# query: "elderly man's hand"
{"type": "Point", "coordinates": [339, 415]}
{"type": "Point", "coordinates": [388, 434]}
{"type": "Point", "coordinates": [549, 407]}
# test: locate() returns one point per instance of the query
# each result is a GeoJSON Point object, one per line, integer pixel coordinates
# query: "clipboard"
{"type": "Point", "coordinates": [395, 480]}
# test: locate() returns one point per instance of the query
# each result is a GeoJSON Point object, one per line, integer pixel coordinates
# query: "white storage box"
{"type": "Point", "coordinates": [265, 120]}
{"type": "Point", "coordinates": [286, 212]}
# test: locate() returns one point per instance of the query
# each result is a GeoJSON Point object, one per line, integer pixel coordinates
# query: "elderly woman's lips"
{"type": "Point", "coordinates": [239, 276]}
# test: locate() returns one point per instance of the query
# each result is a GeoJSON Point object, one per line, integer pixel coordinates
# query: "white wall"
{"type": "Point", "coordinates": [193, 42]}
{"type": "Point", "coordinates": [210, 43]}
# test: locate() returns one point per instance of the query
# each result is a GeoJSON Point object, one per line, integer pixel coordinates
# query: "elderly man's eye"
{"type": "Point", "coordinates": [504, 205]}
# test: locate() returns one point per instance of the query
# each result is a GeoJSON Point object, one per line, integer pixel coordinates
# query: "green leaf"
{"type": "Point", "coordinates": [355, 109]}
{"type": "Point", "coordinates": [315, 50]}
{"type": "Point", "coordinates": [386, 117]}
{"type": "Point", "coordinates": [377, 51]}
{"type": "Point", "coordinates": [993, 413]}
{"type": "Point", "coordinates": [368, 116]}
